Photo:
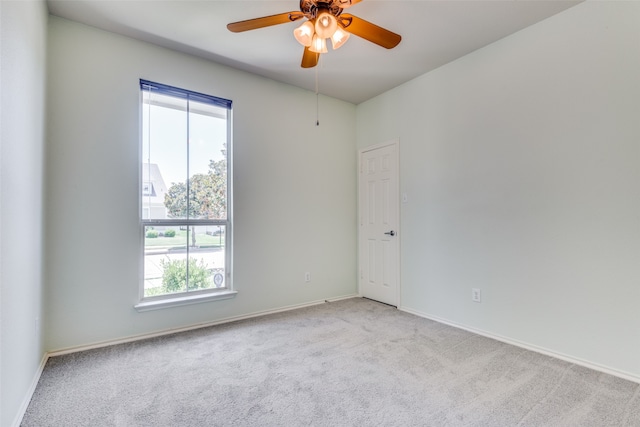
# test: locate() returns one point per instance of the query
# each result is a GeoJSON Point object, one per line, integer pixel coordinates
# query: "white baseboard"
{"type": "Point", "coordinates": [32, 388]}
{"type": "Point", "coordinates": [342, 298]}
{"type": "Point", "coordinates": [531, 347]}
{"type": "Point", "coordinates": [133, 338]}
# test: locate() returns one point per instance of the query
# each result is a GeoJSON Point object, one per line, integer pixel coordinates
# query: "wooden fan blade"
{"type": "Point", "coordinates": [369, 31]}
{"type": "Point", "coordinates": [347, 3]}
{"type": "Point", "coordinates": [265, 21]}
{"type": "Point", "coordinates": [309, 59]}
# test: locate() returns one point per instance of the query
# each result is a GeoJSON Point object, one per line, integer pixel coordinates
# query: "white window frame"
{"type": "Point", "coordinates": [202, 295]}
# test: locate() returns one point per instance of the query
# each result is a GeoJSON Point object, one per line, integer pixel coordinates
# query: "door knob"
{"type": "Point", "coordinates": [390, 233]}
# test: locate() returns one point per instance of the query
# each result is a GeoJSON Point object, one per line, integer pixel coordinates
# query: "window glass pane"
{"type": "Point", "coordinates": [207, 257]}
{"type": "Point", "coordinates": [207, 161]}
{"type": "Point", "coordinates": [164, 156]}
{"type": "Point", "coordinates": [165, 261]}
{"type": "Point", "coordinates": [165, 254]}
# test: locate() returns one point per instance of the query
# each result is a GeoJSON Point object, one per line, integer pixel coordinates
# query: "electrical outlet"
{"type": "Point", "coordinates": [476, 295]}
{"type": "Point", "coordinates": [307, 277]}
{"type": "Point", "coordinates": [37, 326]}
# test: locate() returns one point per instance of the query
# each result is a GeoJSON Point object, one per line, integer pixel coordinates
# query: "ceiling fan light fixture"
{"type": "Point", "coordinates": [339, 38]}
{"type": "Point", "coordinates": [322, 20]}
{"type": "Point", "coordinates": [326, 24]}
{"type": "Point", "coordinates": [318, 45]}
{"type": "Point", "coordinates": [304, 33]}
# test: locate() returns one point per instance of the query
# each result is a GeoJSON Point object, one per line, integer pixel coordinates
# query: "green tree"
{"type": "Point", "coordinates": [206, 198]}
{"type": "Point", "coordinates": [174, 276]}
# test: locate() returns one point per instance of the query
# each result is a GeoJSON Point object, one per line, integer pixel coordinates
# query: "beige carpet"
{"type": "Point", "coordinates": [348, 363]}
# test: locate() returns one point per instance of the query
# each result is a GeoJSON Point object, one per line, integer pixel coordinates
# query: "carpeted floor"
{"type": "Point", "coordinates": [347, 363]}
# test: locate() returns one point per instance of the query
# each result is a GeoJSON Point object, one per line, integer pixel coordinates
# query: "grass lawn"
{"type": "Point", "coordinates": [180, 240]}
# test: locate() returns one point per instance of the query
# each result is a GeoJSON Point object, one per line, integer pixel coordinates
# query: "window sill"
{"type": "Point", "coordinates": [183, 300]}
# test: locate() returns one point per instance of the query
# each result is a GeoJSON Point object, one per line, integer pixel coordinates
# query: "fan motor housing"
{"type": "Point", "coordinates": [310, 7]}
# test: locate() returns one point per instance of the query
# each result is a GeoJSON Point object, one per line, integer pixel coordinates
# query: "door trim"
{"type": "Point", "coordinates": [394, 142]}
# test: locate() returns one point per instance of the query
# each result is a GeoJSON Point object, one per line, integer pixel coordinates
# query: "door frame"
{"type": "Point", "coordinates": [394, 142]}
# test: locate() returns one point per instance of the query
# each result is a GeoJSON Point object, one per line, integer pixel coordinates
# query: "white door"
{"type": "Point", "coordinates": [378, 241]}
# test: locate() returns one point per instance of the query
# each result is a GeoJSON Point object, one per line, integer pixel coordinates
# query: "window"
{"type": "Point", "coordinates": [185, 196]}
{"type": "Point", "coordinates": [147, 189]}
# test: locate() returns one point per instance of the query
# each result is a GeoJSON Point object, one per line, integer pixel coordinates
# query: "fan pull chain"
{"type": "Point", "coordinates": [317, 100]}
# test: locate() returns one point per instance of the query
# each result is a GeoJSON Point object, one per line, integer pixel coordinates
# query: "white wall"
{"type": "Point", "coordinates": [22, 85]}
{"type": "Point", "coordinates": [294, 187]}
{"type": "Point", "coordinates": [521, 163]}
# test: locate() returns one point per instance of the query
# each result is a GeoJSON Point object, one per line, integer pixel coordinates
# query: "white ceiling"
{"type": "Point", "coordinates": [433, 33]}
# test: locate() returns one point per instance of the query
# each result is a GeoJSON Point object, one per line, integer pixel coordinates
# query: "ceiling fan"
{"type": "Point", "coordinates": [325, 20]}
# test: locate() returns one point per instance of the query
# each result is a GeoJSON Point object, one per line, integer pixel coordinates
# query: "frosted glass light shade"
{"type": "Point", "coordinates": [304, 33]}
{"type": "Point", "coordinates": [339, 38]}
{"type": "Point", "coordinates": [318, 45]}
{"type": "Point", "coordinates": [326, 24]}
